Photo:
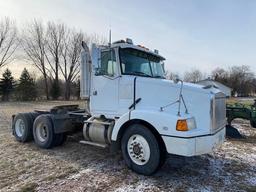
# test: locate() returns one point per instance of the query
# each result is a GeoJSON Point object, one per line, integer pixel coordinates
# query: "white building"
{"type": "Point", "coordinates": [209, 82]}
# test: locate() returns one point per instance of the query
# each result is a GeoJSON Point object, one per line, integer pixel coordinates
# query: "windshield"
{"type": "Point", "coordinates": [136, 62]}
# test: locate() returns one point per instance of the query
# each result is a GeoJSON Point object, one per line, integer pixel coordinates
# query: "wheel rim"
{"type": "Point", "coordinates": [41, 132]}
{"type": "Point", "coordinates": [19, 127]}
{"type": "Point", "coordinates": [138, 149]}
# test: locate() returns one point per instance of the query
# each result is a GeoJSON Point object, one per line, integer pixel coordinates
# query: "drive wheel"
{"type": "Point", "coordinates": [60, 139]}
{"type": "Point", "coordinates": [23, 127]}
{"type": "Point", "coordinates": [141, 150]}
{"type": "Point", "coordinates": [43, 132]}
{"type": "Point", "coordinates": [253, 123]}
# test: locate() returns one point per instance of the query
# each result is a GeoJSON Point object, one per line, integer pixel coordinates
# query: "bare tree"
{"type": "Point", "coordinates": [8, 41]}
{"type": "Point", "coordinates": [34, 45]}
{"type": "Point", "coordinates": [241, 80]}
{"type": "Point", "coordinates": [171, 75]}
{"type": "Point", "coordinates": [71, 50]}
{"type": "Point", "coordinates": [193, 76]}
{"type": "Point", "coordinates": [71, 59]}
{"type": "Point", "coordinates": [219, 73]}
{"type": "Point", "coordinates": [56, 34]}
{"type": "Point", "coordinates": [95, 38]}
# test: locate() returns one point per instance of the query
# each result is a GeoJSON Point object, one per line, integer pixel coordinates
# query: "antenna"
{"type": "Point", "coordinates": [109, 42]}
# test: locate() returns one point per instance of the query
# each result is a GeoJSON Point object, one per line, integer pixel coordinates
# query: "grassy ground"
{"type": "Point", "coordinates": [76, 167]}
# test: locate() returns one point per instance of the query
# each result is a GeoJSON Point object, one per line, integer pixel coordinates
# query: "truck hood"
{"type": "Point", "coordinates": [156, 93]}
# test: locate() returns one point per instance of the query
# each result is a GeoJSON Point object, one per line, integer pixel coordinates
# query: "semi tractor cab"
{"type": "Point", "coordinates": [132, 107]}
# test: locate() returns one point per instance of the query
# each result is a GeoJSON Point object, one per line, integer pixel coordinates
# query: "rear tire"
{"type": "Point", "coordinates": [60, 139]}
{"type": "Point", "coordinates": [23, 127]}
{"type": "Point", "coordinates": [43, 132]}
{"type": "Point", "coordinates": [34, 115]}
{"type": "Point", "coordinates": [141, 150]}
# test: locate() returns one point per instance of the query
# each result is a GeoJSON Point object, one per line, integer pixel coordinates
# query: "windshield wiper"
{"type": "Point", "coordinates": [138, 73]}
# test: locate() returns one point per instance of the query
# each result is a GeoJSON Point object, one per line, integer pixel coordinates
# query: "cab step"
{"type": "Point", "coordinates": [93, 143]}
{"type": "Point", "coordinates": [98, 122]}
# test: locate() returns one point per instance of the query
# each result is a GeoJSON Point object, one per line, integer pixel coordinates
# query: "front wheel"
{"type": "Point", "coordinates": [141, 150]}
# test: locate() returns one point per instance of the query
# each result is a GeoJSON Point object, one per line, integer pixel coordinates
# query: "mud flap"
{"type": "Point", "coordinates": [232, 132]}
{"type": "Point", "coordinates": [12, 125]}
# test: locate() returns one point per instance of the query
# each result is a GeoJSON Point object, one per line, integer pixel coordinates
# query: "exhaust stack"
{"type": "Point", "coordinates": [85, 70]}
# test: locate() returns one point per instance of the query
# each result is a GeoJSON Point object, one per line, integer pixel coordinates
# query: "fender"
{"type": "Point", "coordinates": [118, 124]}
{"type": "Point", "coordinates": [164, 123]}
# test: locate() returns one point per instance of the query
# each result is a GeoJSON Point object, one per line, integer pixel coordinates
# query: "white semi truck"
{"type": "Point", "coordinates": [132, 107]}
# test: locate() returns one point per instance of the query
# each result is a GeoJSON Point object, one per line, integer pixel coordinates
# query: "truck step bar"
{"type": "Point", "coordinates": [94, 144]}
{"type": "Point", "coordinates": [98, 122]}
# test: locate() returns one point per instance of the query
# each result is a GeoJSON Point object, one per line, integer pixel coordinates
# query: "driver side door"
{"type": "Point", "coordinates": [105, 81]}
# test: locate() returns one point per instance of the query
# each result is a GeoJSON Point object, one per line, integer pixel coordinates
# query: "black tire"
{"type": "Point", "coordinates": [25, 133]}
{"type": "Point", "coordinates": [60, 139]}
{"type": "Point", "coordinates": [43, 132]}
{"type": "Point", "coordinates": [34, 115]}
{"type": "Point", "coordinates": [253, 123]}
{"type": "Point", "coordinates": [154, 162]}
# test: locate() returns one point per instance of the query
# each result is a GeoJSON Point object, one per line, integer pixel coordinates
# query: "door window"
{"type": "Point", "coordinates": [108, 64]}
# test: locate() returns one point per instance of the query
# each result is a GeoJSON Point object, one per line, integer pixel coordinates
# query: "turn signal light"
{"type": "Point", "coordinates": [182, 125]}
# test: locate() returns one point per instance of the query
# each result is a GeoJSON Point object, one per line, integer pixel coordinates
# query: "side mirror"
{"type": "Point", "coordinates": [176, 79]}
{"type": "Point", "coordinates": [96, 57]}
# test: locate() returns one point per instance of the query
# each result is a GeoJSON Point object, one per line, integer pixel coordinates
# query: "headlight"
{"type": "Point", "coordinates": [186, 124]}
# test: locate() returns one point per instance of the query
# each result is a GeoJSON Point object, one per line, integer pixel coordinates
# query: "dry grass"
{"type": "Point", "coordinates": [76, 167]}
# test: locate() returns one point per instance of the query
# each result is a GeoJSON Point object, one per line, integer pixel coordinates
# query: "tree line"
{"type": "Point", "coordinates": [53, 48]}
{"type": "Point", "coordinates": [29, 88]}
{"type": "Point", "coordinates": [241, 79]}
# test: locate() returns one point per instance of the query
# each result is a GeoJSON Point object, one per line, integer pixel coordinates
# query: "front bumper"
{"type": "Point", "coordinates": [192, 146]}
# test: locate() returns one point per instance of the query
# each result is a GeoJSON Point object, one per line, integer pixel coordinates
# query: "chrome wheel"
{"type": "Point", "coordinates": [138, 149]}
{"type": "Point", "coordinates": [19, 127]}
{"type": "Point", "coordinates": [42, 132]}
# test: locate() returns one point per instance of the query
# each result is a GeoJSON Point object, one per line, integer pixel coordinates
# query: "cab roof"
{"type": "Point", "coordinates": [124, 44]}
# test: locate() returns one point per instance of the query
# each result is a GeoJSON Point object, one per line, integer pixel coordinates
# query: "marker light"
{"type": "Point", "coordinates": [182, 125]}
{"type": "Point", "coordinates": [141, 46]}
{"type": "Point", "coordinates": [186, 124]}
{"type": "Point", "coordinates": [129, 41]}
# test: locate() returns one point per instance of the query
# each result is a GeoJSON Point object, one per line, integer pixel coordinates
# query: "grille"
{"type": "Point", "coordinates": [218, 111]}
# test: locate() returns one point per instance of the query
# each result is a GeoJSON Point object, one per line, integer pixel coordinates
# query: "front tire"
{"type": "Point", "coordinates": [141, 150]}
{"type": "Point", "coordinates": [43, 132]}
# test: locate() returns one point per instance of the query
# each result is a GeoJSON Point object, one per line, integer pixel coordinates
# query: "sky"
{"type": "Point", "coordinates": [190, 34]}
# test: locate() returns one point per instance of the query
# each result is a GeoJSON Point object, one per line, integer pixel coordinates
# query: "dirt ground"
{"type": "Point", "coordinates": [77, 167]}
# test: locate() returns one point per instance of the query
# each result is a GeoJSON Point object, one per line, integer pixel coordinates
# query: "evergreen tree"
{"type": "Point", "coordinates": [6, 85]}
{"type": "Point", "coordinates": [26, 88]}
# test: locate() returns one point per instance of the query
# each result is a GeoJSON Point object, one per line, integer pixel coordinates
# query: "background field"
{"type": "Point", "coordinates": [77, 167]}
